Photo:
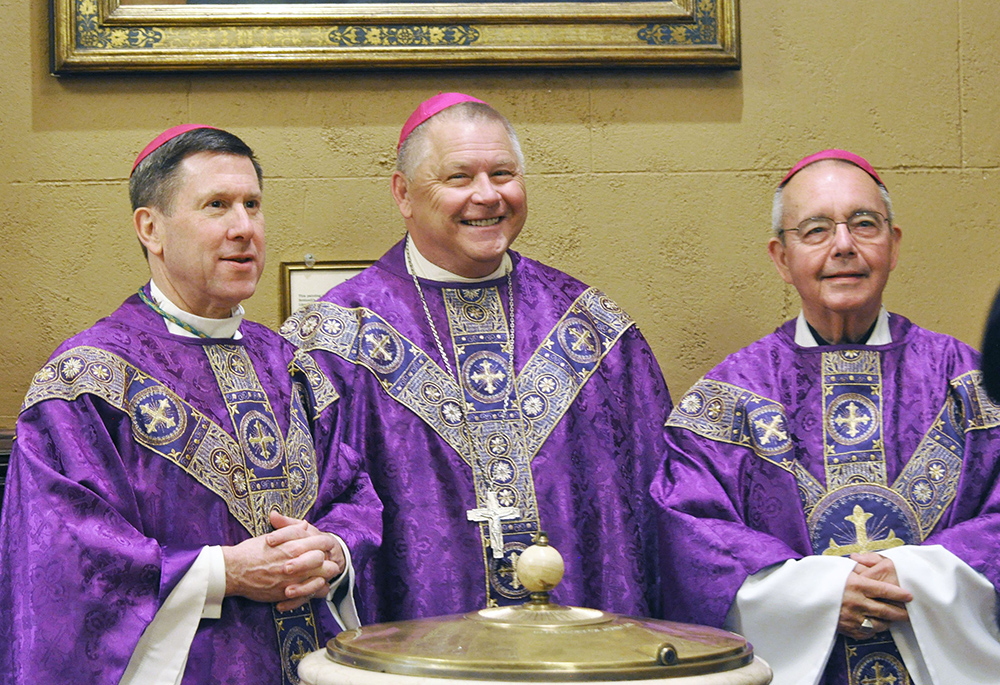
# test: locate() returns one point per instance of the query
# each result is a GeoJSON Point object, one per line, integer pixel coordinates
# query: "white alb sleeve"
{"type": "Point", "coordinates": [162, 652]}
{"type": "Point", "coordinates": [340, 599]}
{"type": "Point", "coordinates": [789, 613]}
{"type": "Point", "coordinates": [952, 636]}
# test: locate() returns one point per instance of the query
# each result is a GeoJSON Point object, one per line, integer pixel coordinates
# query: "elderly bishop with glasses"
{"type": "Point", "coordinates": [830, 491]}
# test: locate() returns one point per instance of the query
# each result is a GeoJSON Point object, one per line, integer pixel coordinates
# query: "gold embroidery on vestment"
{"type": "Point", "coordinates": [159, 418]}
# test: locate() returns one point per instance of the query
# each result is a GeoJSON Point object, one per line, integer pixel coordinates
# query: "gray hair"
{"type": "Point", "coordinates": [414, 149]}
{"type": "Point", "coordinates": [778, 209]}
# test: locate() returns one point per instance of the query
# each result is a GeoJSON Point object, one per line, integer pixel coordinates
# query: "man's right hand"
{"type": "Point", "coordinates": [288, 566]}
{"type": "Point", "coordinates": [872, 592]}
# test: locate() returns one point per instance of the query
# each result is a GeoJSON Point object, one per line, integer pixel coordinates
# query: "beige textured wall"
{"type": "Point", "coordinates": [652, 185]}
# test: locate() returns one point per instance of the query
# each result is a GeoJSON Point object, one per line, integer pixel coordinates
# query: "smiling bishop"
{"type": "Point", "coordinates": [835, 482]}
{"type": "Point", "coordinates": [491, 396]}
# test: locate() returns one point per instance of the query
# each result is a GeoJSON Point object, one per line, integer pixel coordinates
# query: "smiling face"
{"type": "Point", "coordinates": [840, 282]}
{"type": "Point", "coordinates": [465, 203]}
{"type": "Point", "coordinates": [207, 253]}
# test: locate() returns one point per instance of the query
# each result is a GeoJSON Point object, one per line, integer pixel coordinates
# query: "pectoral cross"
{"type": "Point", "coordinates": [492, 514]}
{"type": "Point", "coordinates": [859, 518]}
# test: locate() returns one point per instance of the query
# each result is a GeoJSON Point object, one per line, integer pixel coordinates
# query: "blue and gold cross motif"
{"type": "Point", "coordinates": [260, 439]}
{"type": "Point", "coordinates": [150, 416]}
{"type": "Point", "coordinates": [156, 416]}
{"type": "Point", "coordinates": [494, 419]}
{"type": "Point", "coordinates": [768, 428]}
{"type": "Point", "coordinates": [853, 419]}
{"type": "Point", "coordinates": [380, 345]}
{"type": "Point", "coordinates": [579, 339]}
{"type": "Point", "coordinates": [246, 471]}
{"type": "Point", "coordinates": [863, 544]}
{"type": "Point", "coordinates": [485, 375]}
{"type": "Point", "coordinates": [853, 509]}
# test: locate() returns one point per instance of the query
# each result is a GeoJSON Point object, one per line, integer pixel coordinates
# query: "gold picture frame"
{"type": "Point", "coordinates": [301, 283]}
{"type": "Point", "coordinates": [166, 35]}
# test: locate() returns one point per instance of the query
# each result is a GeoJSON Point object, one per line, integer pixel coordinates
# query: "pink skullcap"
{"type": "Point", "coordinates": [167, 135]}
{"type": "Point", "coordinates": [428, 108]}
{"type": "Point", "coordinates": [854, 159]}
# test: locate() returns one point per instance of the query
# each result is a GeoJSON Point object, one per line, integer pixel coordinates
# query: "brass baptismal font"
{"type": "Point", "coordinates": [534, 642]}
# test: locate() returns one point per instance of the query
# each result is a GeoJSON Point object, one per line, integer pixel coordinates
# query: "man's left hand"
{"type": "Point", "coordinates": [297, 534]}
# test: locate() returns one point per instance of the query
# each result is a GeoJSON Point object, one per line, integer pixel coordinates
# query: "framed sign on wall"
{"type": "Point", "coordinates": [303, 283]}
{"type": "Point", "coordinates": [157, 35]}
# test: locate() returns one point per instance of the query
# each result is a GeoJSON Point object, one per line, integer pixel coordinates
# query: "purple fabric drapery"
{"type": "Point", "coordinates": [590, 473]}
{"type": "Point", "coordinates": [735, 501]}
{"type": "Point", "coordinates": [97, 527]}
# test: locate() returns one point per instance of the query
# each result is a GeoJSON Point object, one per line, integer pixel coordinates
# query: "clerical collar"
{"type": "Point", "coordinates": [214, 328]}
{"type": "Point", "coordinates": [428, 270]}
{"type": "Point", "coordinates": [878, 334]}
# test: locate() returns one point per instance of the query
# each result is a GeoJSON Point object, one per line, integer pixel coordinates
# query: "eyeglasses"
{"type": "Point", "coordinates": [818, 230]}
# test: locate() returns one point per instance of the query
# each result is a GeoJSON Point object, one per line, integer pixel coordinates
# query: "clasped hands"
{"type": "Point", "coordinates": [290, 565]}
{"type": "Point", "coordinates": [872, 591]}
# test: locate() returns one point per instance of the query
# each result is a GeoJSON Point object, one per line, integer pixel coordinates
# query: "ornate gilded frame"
{"type": "Point", "coordinates": [106, 35]}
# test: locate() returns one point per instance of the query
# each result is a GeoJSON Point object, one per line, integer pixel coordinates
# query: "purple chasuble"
{"type": "Point", "coordinates": [784, 451]}
{"type": "Point", "coordinates": [125, 464]}
{"type": "Point", "coordinates": [569, 447]}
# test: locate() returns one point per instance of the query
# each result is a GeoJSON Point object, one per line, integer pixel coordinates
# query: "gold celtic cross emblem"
{"type": "Point", "coordinates": [852, 419]}
{"type": "Point", "coordinates": [487, 376]}
{"type": "Point", "coordinates": [157, 415]}
{"type": "Point", "coordinates": [771, 429]}
{"type": "Point", "coordinates": [379, 345]}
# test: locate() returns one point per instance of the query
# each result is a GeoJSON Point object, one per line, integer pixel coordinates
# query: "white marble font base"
{"type": "Point", "coordinates": [320, 669]}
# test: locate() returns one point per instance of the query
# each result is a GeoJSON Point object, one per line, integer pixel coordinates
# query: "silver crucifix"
{"type": "Point", "coordinates": [493, 513]}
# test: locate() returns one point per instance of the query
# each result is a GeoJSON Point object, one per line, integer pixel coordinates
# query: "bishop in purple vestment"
{"type": "Point", "coordinates": [491, 396]}
{"type": "Point", "coordinates": [831, 490]}
{"type": "Point", "coordinates": [154, 527]}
